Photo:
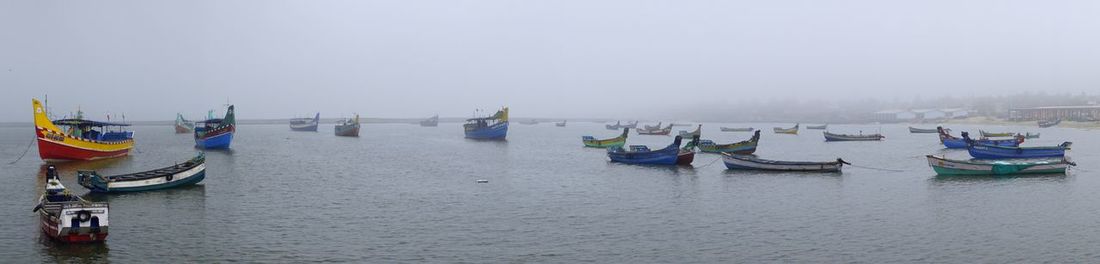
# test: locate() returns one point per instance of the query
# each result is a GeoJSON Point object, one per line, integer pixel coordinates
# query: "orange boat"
{"type": "Point", "coordinates": [79, 139]}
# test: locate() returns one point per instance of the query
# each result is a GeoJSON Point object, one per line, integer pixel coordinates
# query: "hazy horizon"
{"type": "Point", "coordinates": [568, 59]}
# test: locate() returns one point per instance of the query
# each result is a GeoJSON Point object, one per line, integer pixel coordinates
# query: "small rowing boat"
{"type": "Point", "coordinates": [592, 142]}
{"type": "Point", "coordinates": [736, 129]}
{"type": "Point", "coordinates": [186, 173]}
{"type": "Point", "coordinates": [922, 130]}
{"type": "Point", "coordinates": [1049, 123]}
{"type": "Point", "coordinates": [649, 127]}
{"type": "Point", "coordinates": [780, 130]}
{"type": "Point", "coordinates": [697, 133]}
{"type": "Point", "coordinates": [658, 131]}
{"type": "Point", "coordinates": [744, 147]}
{"type": "Point", "coordinates": [560, 124]}
{"type": "Point", "coordinates": [821, 127]}
{"type": "Point", "coordinates": [69, 218]}
{"type": "Point", "coordinates": [944, 166]}
{"type": "Point", "coordinates": [749, 162]}
{"type": "Point", "coordinates": [992, 135]}
{"type": "Point", "coordinates": [430, 122]}
{"type": "Point", "coordinates": [859, 137]}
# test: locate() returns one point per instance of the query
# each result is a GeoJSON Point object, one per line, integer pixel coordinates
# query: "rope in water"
{"type": "Point", "coordinates": [709, 163]}
{"type": "Point", "coordinates": [873, 168]}
{"type": "Point", "coordinates": [24, 151]}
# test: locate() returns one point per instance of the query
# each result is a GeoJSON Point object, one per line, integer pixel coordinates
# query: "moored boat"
{"type": "Point", "coordinates": [1049, 123]}
{"type": "Point", "coordinates": [305, 124]}
{"type": "Point", "coordinates": [658, 131]}
{"type": "Point", "coordinates": [743, 147]}
{"type": "Point", "coordinates": [697, 133]}
{"type": "Point", "coordinates": [529, 122]}
{"type": "Point", "coordinates": [953, 142]}
{"type": "Point", "coordinates": [348, 127]}
{"type": "Point", "coordinates": [560, 124]}
{"type": "Point", "coordinates": [79, 139]}
{"type": "Point", "coordinates": [639, 154]}
{"type": "Point", "coordinates": [216, 133]}
{"type": "Point", "coordinates": [618, 125]}
{"type": "Point", "coordinates": [780, 130]}
{"type": "Point", "coordinates": [749, 162]}
{"type": "Point", "coordinates": [649, 127]}
{"type": "Point", "coordinates": [592, 142]}
{"type": "Point", "coordinates": [922, 130]}
{"type": "Point", "coordinates": [858, 137]}
{"type": "Point", "coordinates": [687, 153]}
{"type": "Point", "coordinates": [982, 151]}
{"type": "Point", "coordinates": [736, 129]}
{"type": "Point", "coordinates": [183, 126]}
{"type": "Point", "coordinates": [821, 127]}
{"type": "Point", "coordinates": [186, 173]}
{"type": "Point", "coordinates": [493, 127]}
{"type": "Point", "coordinates": [999, 134]}
{"type": "Point", "coordinates": [1029, 135]}
{"type": "Point", "coordinates": [69, 218]}
{"type": "Point", "coordinates": [430, 122]}
{"type": "Point", "coordinates": [944, 166]}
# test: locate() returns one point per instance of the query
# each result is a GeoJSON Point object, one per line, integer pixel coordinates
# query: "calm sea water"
{"type": "Point", "coordinates": [403, 193]}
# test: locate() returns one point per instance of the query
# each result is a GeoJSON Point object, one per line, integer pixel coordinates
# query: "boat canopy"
{"type": "Point", "coordinates": [82, 122]}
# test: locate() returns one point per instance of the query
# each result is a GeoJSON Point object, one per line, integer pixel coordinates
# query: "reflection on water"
{"type": "Point", "coordinates": [58, 252]}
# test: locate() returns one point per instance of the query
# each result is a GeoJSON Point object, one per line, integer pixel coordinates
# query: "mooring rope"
{"type": "Point", "coordinates": [709, 163]}
{"type": "Point", "coordinates": [873, 168]}
{"type": "Point", "coordinates": [24, 151]}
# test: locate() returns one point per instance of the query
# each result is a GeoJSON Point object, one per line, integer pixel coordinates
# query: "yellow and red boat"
{"type": "Point", "coordinates": [79, 139]}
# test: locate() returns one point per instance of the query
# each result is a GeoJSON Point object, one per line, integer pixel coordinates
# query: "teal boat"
{"type": "Point", "coordinates": [944, 166]}
{"type": "Point", "coordinates": [187, 173]}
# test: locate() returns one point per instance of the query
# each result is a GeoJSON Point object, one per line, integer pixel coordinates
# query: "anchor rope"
{"type": "Point", "coordinates": [710, 163]}
{"type": "Point", "coordinates": [24, 151]}
{"type": "Point", "coordinates": [873, 168]}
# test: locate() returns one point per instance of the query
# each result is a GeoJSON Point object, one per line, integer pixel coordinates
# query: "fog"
{"type": "Point", "coordinates": [608, 59]}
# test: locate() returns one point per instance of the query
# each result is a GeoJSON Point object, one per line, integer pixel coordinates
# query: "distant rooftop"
{"type": "Point", "coordinates": [1067, 107]}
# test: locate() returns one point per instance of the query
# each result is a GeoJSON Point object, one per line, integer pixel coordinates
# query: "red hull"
{"type": "Point", "coordinates": [49, 229]}
{"type": "Point", "coordinates": [182, 130]}
{"type": "Point", "coordinates": [49, 150]}
{"type": "Point", "coordinates": [685, 158]}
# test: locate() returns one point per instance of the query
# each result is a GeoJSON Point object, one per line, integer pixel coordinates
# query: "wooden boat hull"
{"type": "Point", "coordinates": [68, 234]}
{"type": "Point", "coordinates": [669, 155]}
{"type": "Point", "coordinates": [841, 137]}
{"type": "Point", "coordinates": [494, 132]}
{"type": "Point", "coordinates": [180, 129]}
{"type": "Point", "coordinates": [791, 131]}
{"type": "Point", "coordinates": [218, 141]}
{"type": "Point", "coordinates": [347, 130]}
{"type": "Point", "coordinates": [54, 144]}
{"type": "Point", "coordinates": [619, 141]}
{"type": "Point", "coordinates": [744, 147]}
{"type": "Point", "coordinates": [980, 151]}
{"type": "Point", "coordinates": [728, 129]}
{"type": "Point", "coordinates": [922, 130]}
{"type": "Point", "coordinates": [821, 127]}
{"type": "Point", "coordinates": [989, 135]}
{"type": "Point", "coordinates": [304, 128]}
{"type": "Point", "coordinates": [685, 157]}
{"type": "Point", "coordinates": [171, 178]}
{"type": "Point", "coordinates": [958, 143]}
{"type": "Point", "coordinates": [961, 167]}
{"type": "Point", "coordinates": [743, 162]}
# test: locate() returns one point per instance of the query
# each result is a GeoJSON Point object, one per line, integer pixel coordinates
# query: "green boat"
{"type": "Point", "coordinates": [744, 147]}
{"type": "Point", "coordinates": [944, 166]}
{"type": "Point", "coordinates": [619, 141]}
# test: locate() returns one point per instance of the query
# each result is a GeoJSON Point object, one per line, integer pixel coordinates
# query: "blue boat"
{"type": "Point", "coordinates": [488, 128]}
{"type": "Point", "coordinates": [953, 142]}
{"type": "Point", "coordinates": [993, 152]}
{"type": "Point", "coordinates": [187, 173]}
{"type": "Point", "coordinates": [216, 133]}
{"type": "Point", "coordinates": [639, 154]}
{"type": "Point", "coordinates": [305, 124]}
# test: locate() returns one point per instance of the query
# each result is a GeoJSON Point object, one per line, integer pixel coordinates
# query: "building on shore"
{"type": "Point", "coordinates": [1084, 113]}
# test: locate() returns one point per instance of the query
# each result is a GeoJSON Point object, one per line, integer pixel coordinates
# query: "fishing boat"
{"type": "Point", "coordinates": [679, 124]}
{"type": "Point", "coordinates": [922, 130]}
{"type": "Point", "coordinates": [1029, 135]}
{"type": "Point", "coordinates": [183, 126]}
{"type": "Point", "coordinates": [560, 124]}
{"type": "Point", "coordinates": [858, 137]}
{"type": "Point", "coordinates": [944, 166]}
{"type": "Point", "coordinates": [529, 122]}
{"type": "Point", "coordinates": [430, 122]}
{"type": "Point", "coordinates": [697, 133]}
{"type": "Point", "coordinates": [348, 127]}
{"type": "Point", "coordinates": [592, 142]}
{"type": "Point", "coordinates": [992, 135]}
{"type": "Point", "coordinates": [79, 139]}
{"type": "Point", "coordinates": [982, 151]}
{"type": "Point", "coordinates": [821, 127]}
{"type": "Point", "coordinates": [953, 142]}
{"type": "Point", "coordinates": [736, 129]}
{"type": "Point", "coordinates": [744, 147]}
{"type": "Point", "coordinates": [216, 133]}
{"type": "Point", "coordinates": [657, 132]}
{"type": "Point", "coordinates": [68, 218]}
{"type": "Point", "coordinates": [493, 127]}
{"type": "Point", "coordinates": [749, 162]}
{"type": "Point", "coordinates": [305, 124]}
{"type": "Point", "coordinates": [780, 130]}
{"type": "Point", "coordinates": [186, 173]}
{"type": "Point", "coordinates": [649, 127]}
{"type": "Point", "coordinates": [639, 154]}
{"type": "Point", "coordinates": [1049, 123]}
{"type": "Point", "coordinates": [618, 125]}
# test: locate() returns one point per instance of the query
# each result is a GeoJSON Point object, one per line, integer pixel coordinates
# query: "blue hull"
{"type": "Point", "coordinates": [216, 142]}
{"type": "Point", "coordinates": [665, 156]}
{"type": "Point", "coordinates": [497, 131]}
{"type": "Point", "coordinates": [198, 177]}
{"type": "Point", "coordinates": [993, 152]}
{"type": "Point", "coordinates": [958, 143]}
{"type": "Point", "coordinates": [312, 128]}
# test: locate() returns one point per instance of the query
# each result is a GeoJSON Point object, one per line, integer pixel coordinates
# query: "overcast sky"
{"type": "Point", "coordinates": [402, 58]}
